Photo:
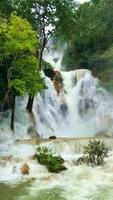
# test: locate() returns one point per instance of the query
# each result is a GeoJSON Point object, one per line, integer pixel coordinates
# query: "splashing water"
{"type": "Point", "coordinates": [82, 108]}
{"type": "Point", "coordinates": [87, 108]}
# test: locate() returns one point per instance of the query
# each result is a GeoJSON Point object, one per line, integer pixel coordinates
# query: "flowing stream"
{"type": "Point", "coordinates": [81, 109]}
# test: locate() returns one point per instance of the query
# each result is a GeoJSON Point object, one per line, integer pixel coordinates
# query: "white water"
{"type": "Point", "coordinates": [78, 182]}
{"type": "Point", "coordinates": [89, 111]}
{"type": "Point", "coordinates": [82, 109]}
{"type": "Point", "coordinates": [89, 107]}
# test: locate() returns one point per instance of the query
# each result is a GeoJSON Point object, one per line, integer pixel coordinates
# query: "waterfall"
{"type": "Point", "coordinates": [81, 108]}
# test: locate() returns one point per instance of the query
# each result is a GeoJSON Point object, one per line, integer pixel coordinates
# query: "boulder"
{"type": "Point", "coordinates": [52, 137]}
{"type": "Point", "coordinates": [25, 169]}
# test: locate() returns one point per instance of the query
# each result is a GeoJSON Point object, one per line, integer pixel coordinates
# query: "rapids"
{"type": "Point", "coordinates": [78, 182]}
{"type": "Point", "coordinates": [81, 109]}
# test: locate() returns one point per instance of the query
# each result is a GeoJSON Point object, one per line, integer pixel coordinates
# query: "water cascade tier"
{"type": "Point", "coordinates": [73, 105]}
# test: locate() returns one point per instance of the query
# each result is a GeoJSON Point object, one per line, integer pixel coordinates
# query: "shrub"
{"type": "Point", "coordinates": [94, 153]}
{"type": "Point", "coordinates": [53, 163]}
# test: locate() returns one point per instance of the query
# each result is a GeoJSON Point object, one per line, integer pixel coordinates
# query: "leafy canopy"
{"type": "Point", "coordinates": [18, 48]}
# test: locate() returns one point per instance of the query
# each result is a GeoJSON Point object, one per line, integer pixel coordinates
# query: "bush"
{"type": "Point", "coordinates": [53, 163]}
{"type": "Point", "coordinates": [94, 153]}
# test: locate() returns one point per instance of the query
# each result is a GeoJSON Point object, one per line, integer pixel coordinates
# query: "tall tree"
{"type": "Point", "coordinates": [46, 16]}
{"type": "Point", "coordinates": [92, 35]}
{"type": "Point", "coordinates": [21, 64]}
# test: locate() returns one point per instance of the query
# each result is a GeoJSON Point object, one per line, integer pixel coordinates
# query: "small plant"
{"type": "Point", "coordinates": [53, 163]}
{"type": "Point", "coordinates": [94, 153]}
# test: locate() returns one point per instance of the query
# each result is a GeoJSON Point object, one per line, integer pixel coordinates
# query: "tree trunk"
{"type": "Point", "coordinates": [13, 113]}
{"type": "Point", "coordinates": [41, 53]}
{"type": "Point", "coordinates": [30, 103]}
{"type": "Point", "coordinates": [40, 59]}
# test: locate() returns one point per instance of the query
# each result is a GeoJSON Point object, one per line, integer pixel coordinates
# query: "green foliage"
{"type": "Point", "coordinates": [45, 13]}
{"type": "Point", "coordinates": [18, 87]}
{"type": "Point", "coordinates": [17, 57]}
{"type": "Point", "coordinates": [46, 65]}
{"type": "Point", "coordinates": [92, 37]}
{"type": "Point", "coordinates": [5, 8]}
{"type": "Point", "coordinates": [94, 153]}
{"type": "Point", "coordinates": [55, 14]}
{"type": "Point", "coordinates": [53, 163]}
{"type": "Point", "coordinates": [48, 70]}
{"type": "Point", "coordinates": [19, 35]}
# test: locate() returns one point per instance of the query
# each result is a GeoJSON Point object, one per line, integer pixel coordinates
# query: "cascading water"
{"type": "Point", "coordinates": [79, 107]}
{"type": "Point", "coordinates": [82, 108]}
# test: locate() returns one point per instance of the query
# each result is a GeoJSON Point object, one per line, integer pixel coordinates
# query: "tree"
{"type": "Point", "coordinates": [18, 48]}
{"type": "Point", "coordinates": [94, 153]}
{"type": "Point", "coordinates": [46, 16]}
{"type": "Point", "coordinates": [95, 1]}
{"type": "Point", "coordinates": [92, 36]}
{"type": "Point", "coordinates": [5, 8]}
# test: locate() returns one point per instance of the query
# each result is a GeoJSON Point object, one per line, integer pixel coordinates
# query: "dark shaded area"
{"type": "Point", "coordinates": [64, 109]}
{"type": "Point", "coordinates": [49, 73]}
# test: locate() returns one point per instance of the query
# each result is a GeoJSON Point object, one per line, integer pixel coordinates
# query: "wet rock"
{"type": "Point", "coordinates": [25, 169]}
{"type": "Point", "coordinates": [52, 137]}
{"type": "Point", "coordinates": [58, 81]}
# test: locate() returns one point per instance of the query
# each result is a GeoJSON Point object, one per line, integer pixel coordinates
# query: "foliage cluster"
{"type": "Point", "coordinates": [91, 42]}
{"type": "Point", "coordinates": [53, 163]}
{"type": "Point", "coordinates": [18, 53]}
{"type": "Point", "coordinates": [94, 153]}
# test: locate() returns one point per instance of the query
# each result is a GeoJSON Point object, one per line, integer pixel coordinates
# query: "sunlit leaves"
{"type": "Point", "coordinates": [17, 54]}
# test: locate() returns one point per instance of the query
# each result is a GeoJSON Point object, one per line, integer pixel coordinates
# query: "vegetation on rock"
{"type": "Point", "coordinates": [94, 153]}
{"type": "Point", "coordinates": [53, 163]}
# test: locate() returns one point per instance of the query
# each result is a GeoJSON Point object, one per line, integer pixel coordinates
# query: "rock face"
{"type": "Point", "coordinates": [25, 169]}
{"type": "Point", "coordinates": [58, 81]}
